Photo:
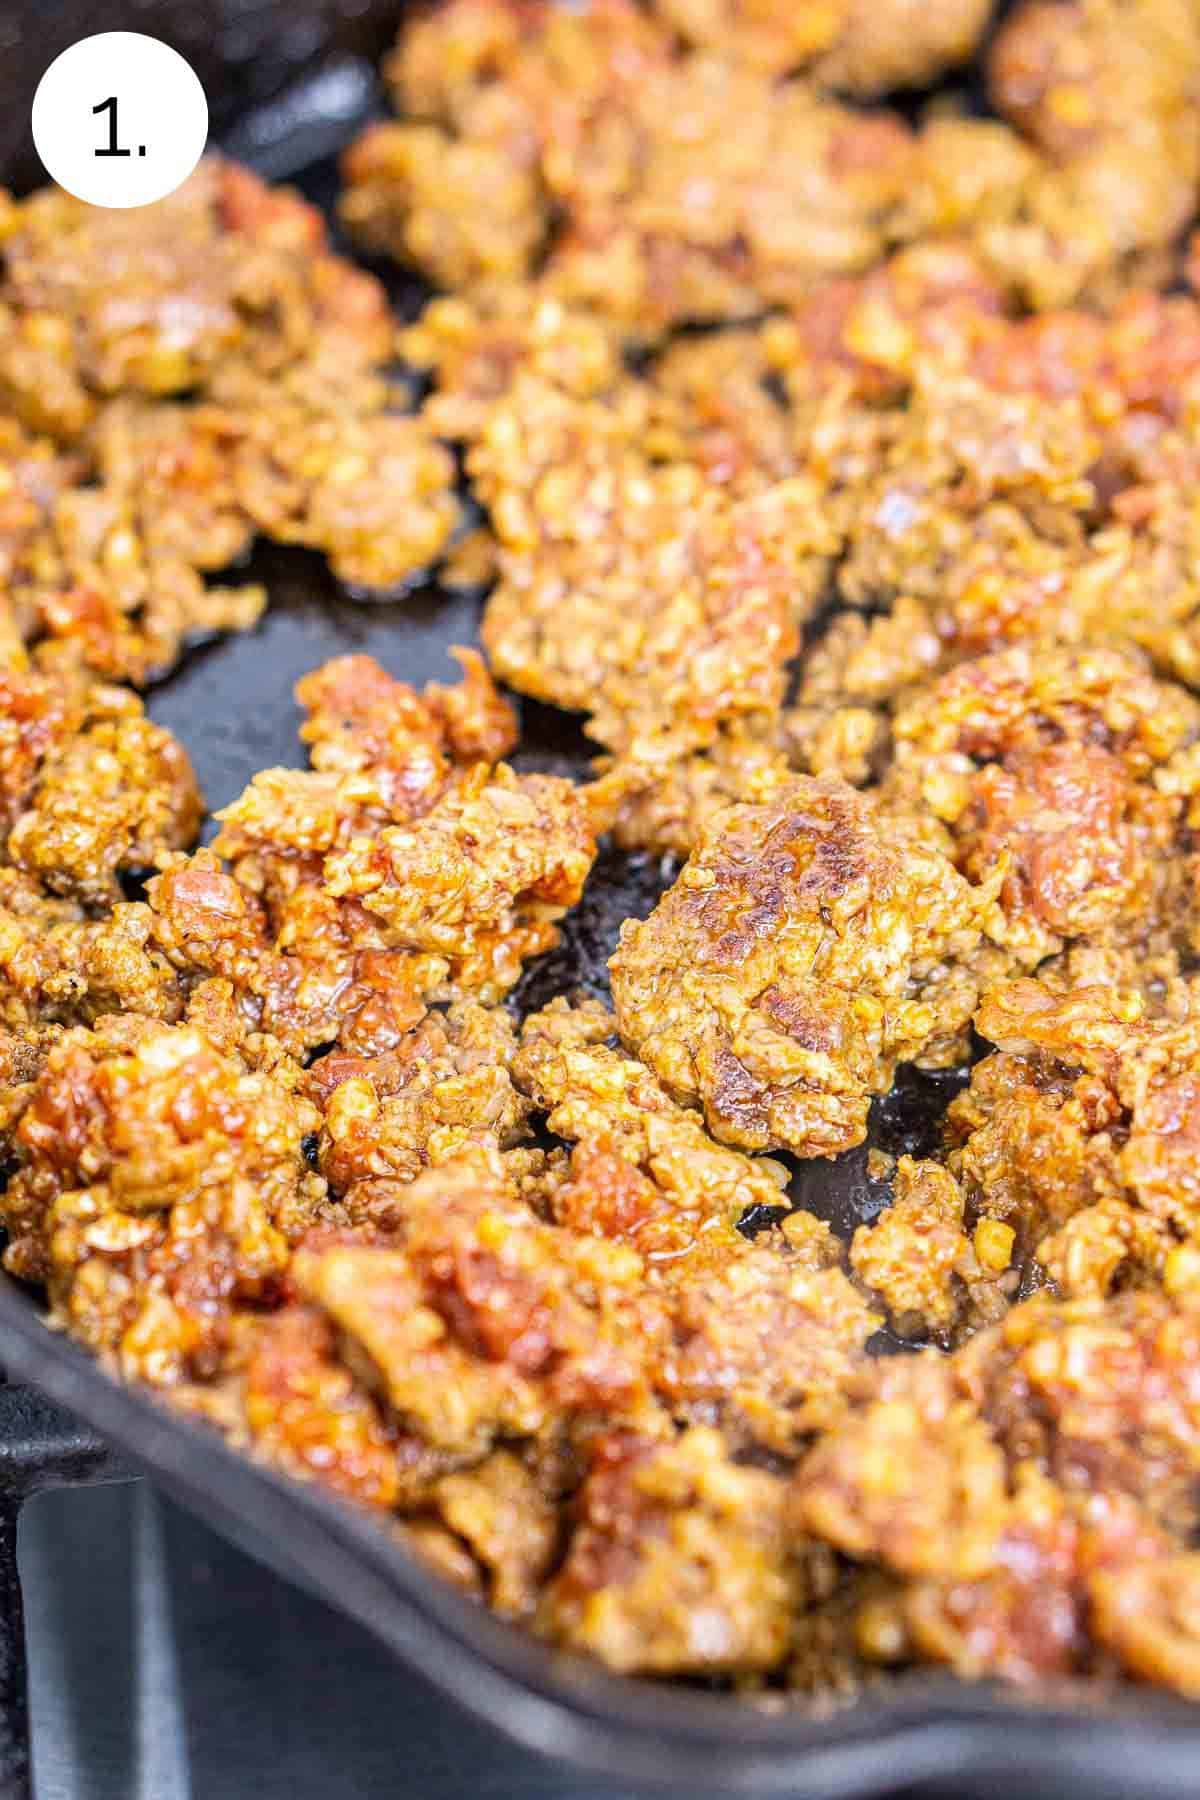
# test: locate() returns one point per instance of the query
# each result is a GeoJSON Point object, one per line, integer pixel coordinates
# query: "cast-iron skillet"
{"type": "Point", "coordinates": [288, 82]}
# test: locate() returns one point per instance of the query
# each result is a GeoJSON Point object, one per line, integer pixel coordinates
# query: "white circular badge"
{"type": "Point", "coordinates": [120, 119]}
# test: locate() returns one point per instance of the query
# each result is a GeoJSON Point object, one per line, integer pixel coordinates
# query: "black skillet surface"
{"type": "Point", "coordinates": [231, 704]}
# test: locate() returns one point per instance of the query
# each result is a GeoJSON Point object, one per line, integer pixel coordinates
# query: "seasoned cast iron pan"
{"type": "Point", "coordinates": [289, 81]}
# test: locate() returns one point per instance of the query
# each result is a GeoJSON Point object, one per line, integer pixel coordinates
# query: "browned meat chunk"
{"type": "Point", "coordinates": [403, 867]}
{"type": "Point", "coordinates": [678, 1561]}
{"type": "Point", "coordinates": [935, 1279]}
{"type": "Point", "coordinates": [487, 1322]}
{"type": "Point", "coordinates": [1043, 764]}
{"type": "Point", "coordinates": [796, 960]}
{"type": "Point", "coordinates": [446, 1085]}
{"type": "Point", "coordinates": [1105, 94]}
{"type": "Point", "coordinates": [529, 118]}
{"type": "Point", "coordinates": [159, 1183]}
{"type": "Point", "coordinates": [1078, 1133]}
{"type": "Point", "coordinates": [641, 595]}
{"type": "Point", "coordinates": [677, 1188]}
{"type": "Point", "coordinates": [115, 797]}
{"type": "Point", "coordinates": [972, 1479]}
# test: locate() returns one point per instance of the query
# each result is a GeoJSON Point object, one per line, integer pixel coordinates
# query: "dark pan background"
{"type": "Point", "coordinates": [288, 82]}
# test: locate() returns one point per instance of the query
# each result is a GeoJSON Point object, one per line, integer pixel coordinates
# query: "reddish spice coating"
{"type": "Point", "coordinates": [1051, 1459]}
{"type": "Point", "coordinates": [403, 867]}
{"type": "Point", "coordinates": [158, 1183]}
{"type": "Point", "coordinates": [655, 1579]}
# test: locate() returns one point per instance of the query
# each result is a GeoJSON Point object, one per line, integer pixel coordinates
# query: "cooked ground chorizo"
{"type": "Point", "coordinates": [593, 145]}
{"type": "Point", "coordinates": [881, 610]}
{"type": "Point", "coordinates": [677, 1560]}
{"type": "Point", "coordinates": [404, 867]}
{"type": "Point", "coordinates": [158, 1183]}
{"type": "Point", "coordinates": [935, 1280]}
{"type": "Point", "coordinates": [216, 372]}
{"type": "Point", "coordinates": [1043, 764]}
{"type": "Point", "coordinates": [594, 1095]}
{"type": "Point", "coordinates": [486, 1322]}
{"type": "Point", "coordinates": [1074, 1136]}
{"type": "Point", "coordinates": [1105, 98]}
{"type": "Point", "coordinates": [528, 113]}
{"type": "Point", "coordinates": [971, 1478]}
{"type": "Point", "coordinates": [796, 960]}
{"type": "Point", "coordinates": [445, 1085]}
{"type": "Point", "coordinates": [640, 594]}
{"type": "Point", "coordinates": [254, 263]}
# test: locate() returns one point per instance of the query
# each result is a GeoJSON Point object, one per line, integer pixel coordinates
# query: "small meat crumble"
{"type": "Point", "coordinates": [839, 472]}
